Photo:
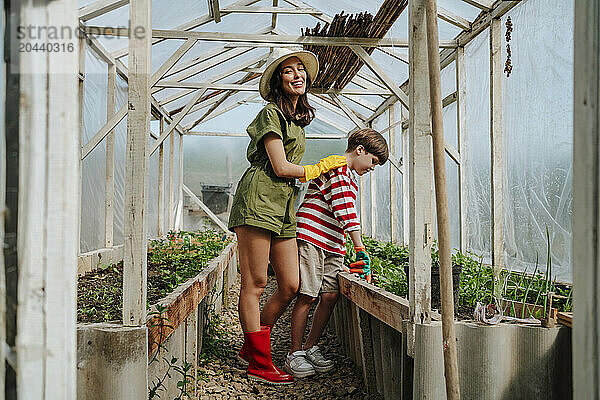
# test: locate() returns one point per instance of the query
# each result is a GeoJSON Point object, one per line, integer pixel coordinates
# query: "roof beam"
{"type": "Point", "coordinates": [167, 65]}
{"type": "Point", "coordinates": [329, 104]}
{"type": "Point", "coordinates": [273, 10]}
{"type": "Point", "coordinates": [208, 117]}
{"type": "Point", "coordinates": [105, 130]}
{"type": "Point", "coordinates": [393, 53]}
{"type": "Point", "coordinates": [353, 117]}
{"type": "Point", "coordinates": [195, 23]}
{"type": "Point", "coordinates": [254, 88]}
{"type": "Point", "coordinates": [297, 3]}
{"type": "Point", "coordinates": [376, 69]}
{"type": "Point", "coordinates": [484, 5]}
{"type": "Point", "coordinates": [258, 38]}
{"type": "Point", "coordinates": [274, 16]}
{"type": "Point", "coordinates": [453, 19]}
{"type": "Point", "coordinates": [245, 135]}
{"type": "Point", "coordinates": [98, 8]}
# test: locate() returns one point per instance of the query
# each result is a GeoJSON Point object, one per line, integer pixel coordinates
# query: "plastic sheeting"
{"type": "Point", "coordinates": [538, 138]}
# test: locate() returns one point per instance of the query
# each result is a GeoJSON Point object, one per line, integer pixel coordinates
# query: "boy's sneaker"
{"type": "Point", "coordinates": [320, 363]}
{"type": "Point", "coordinates": [297, 365]}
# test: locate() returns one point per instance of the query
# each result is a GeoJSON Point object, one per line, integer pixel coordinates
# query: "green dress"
{"type": "Point", "coordinates": [262, 199]}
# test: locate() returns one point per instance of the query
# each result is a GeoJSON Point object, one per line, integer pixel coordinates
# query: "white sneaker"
{"type": "Point", "coordinates": [320, 363]}
{"type": "Point", "coordinates": [298, 366]}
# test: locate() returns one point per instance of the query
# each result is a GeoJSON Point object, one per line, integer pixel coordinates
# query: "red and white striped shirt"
{"type": "Point", "coordinates": [328, 210]}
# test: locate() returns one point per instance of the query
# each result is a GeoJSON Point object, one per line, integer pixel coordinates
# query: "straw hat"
{"type": "Point", "coordinates": [280, 54]}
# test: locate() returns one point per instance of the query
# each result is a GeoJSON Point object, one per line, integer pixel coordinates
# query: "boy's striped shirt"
{"type": "Point", "coordinates": [328, 210]}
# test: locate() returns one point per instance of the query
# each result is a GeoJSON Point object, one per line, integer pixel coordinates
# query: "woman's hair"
{"type": "Point", "coordinates": [304, 112]}
{"type": "Point", "coordinates": [372, 141]}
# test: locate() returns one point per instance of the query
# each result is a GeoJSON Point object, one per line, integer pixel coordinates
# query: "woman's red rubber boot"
{"type": "Point", "coordinates": [243, 354]}
{"type": "Point", "coordinates": [260, 365]}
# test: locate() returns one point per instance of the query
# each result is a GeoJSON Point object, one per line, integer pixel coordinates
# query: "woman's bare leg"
{"type": "Point", "coordinates": [253, 246]}
{"type": "Point", "coordinates": [284, 259]}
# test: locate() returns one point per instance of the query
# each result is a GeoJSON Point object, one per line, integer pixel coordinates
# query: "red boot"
{"type": "Point", "coordinates": [261, 366]}
{"type": "Point", "coordinates": [243, 354]}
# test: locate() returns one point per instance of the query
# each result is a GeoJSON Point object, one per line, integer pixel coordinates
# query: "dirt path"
{"type": "Point", "coordinates": [226, 379]}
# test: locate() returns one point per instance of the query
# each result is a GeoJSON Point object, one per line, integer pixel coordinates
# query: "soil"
{"type": "Point", "coordinates": [226, 378]}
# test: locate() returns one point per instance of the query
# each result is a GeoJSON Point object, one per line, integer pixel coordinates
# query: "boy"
{"type": "Point", "coordinates": [326, 214]}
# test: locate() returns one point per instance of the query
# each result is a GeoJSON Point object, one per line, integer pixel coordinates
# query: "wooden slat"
{"type": "Point", "coordinates": [204, 208]}
{"type": "Point", "coordinates": [369, 371]}
{"type": "Point", "coordinates": [138, 126]}
{"type": "Point", "coordinates": [176, 56]}
{"type": "Point", "coordinates": [349, 113]}
{"type": "Point", "coordinates": [105, 130]}
{"type": "Point", "coordinates": [161, 183]}
{"type": "Point", "coordinates": [109, 191]}
{"type": "Point", "coordinates": [244, 134]}
{"type": "Point", "coordinates": [273, 10]}
{"type": "Point", "coordinates": [565, 318]}
{"type": "Point", "coordinates": [214, 10]}
{"type": "Point", "coordinates": [461, 85]}
{"type": "Point", "coordinates": [254, 38]}
{"type": "Point", "coordinates": [484, 5]}
{"type": "Point", "coordinates": [453, 19]}
{"type": "Point", "coordinates": [100, 7]}
{"type": "Point", "coordinates": [392, 176]}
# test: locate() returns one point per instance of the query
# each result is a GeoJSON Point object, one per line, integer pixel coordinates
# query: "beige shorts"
{"type": "Point", "coordinates": [318, 270]}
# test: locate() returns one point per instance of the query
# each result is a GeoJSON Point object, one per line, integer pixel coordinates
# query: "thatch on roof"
{"type": "Point", "coordinates": [338, 65]}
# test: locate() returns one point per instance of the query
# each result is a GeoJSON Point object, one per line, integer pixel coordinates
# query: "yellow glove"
{"type": "Point", "coordinates": [326, 164]}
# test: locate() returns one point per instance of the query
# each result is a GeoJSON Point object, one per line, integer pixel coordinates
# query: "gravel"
{"type": "Point", "coordinates": [226, 378]}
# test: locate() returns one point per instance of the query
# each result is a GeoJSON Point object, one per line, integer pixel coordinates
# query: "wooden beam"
{"type": "Point", "coordinates": [48, 203]}
{"type": "Point", "coordinates": [328, 104]}
{"type": "Point", "coordinates": [256, 38]}
{"type": "Point", "coordinates": [105, 130]}
{"type": "Point", "coordinates": [214, 10]}
{"type": "Point", "coordinates": [254, 88]}
{"type": "Point", "coordinates": [195, 23]}
{"type": "Point", "coordinates": [138, 126]}
{"type": "Point", "coordinates": [393, 53]}
{"type": "Point", "coordinates": [209, 116]}
{"type": "Point", "coordinates": [98, 8]}
{"type": "Point", "coordinates": [353, 117]}
{"type": "Point", "coordinates": [451, 98]}
{"type": "Point", "coordinates": [207, 210]}
{"type": "Point", "coordinates": [109, 189]}
{"type": "Point", "coordinates": [484, 5]}
{"type": "Point", "coordinates": [453, 19]}
{"type": "Point", "coordinates": [244, 134]}
{"type": "Point", "coordinates": [274, 16]}
{"type": "Point", "coordinates": [321, 17]}
{"type": "Point", "coordinates": [405, 179]}
{"type": "Point", "coordinates": [373, 201]}
{"type": "Point", "coordinates": [461, 119]}
{"type": "Point", "coordinates": [273, 10]}
{"type": "Point", "coordinates": [171, 182]}
{"type": "Point", "coordinates": [177, 120]}
{"type": "Point", "coordinates": [176, 56]}
{"type": "Point", "coordinates": [496, 133]}
{"type": "Point", "coordinates": [361, 101]}
{"type": "Point", "coordinates": [392, 179]}
{"type": "Point", "coordinates": [420, 171]}
{"type": "Point", "coordinates": [586, 202]}
{"type": "Point", "coordinates": [161, 182]}
{"type": "Point", "coordinates": [376, 69]}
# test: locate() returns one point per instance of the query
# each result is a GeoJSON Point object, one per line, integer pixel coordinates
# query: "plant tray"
{"type": "Point", "coordinates": [532, 310]}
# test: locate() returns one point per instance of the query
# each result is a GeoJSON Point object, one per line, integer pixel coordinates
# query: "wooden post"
{"type": "Point", "coordinates": [441, 197]}
{"type": "Point", "coordinates": [392, 182]}
{"type": "Point", "coordinates": [461, 84]}
{"type": "Point", "coordinates": [496, 132]}
{"type": "Point", "coordinates": [405, 180]}
{"type": "Point", "coordinates": [171, 181]}
{"type": "Point", "coordinates": [420, 172]}
{"type": "Point", "coordinates": [49, 170]}
{"type": "Point", "coordinates": [180, 185]}
{"type": "Point", "coordinates": [109, 189]}
{"type": "Point", "coordinates": [81, 88]}
{"type": "Point", "coordinates": [161, 182]}
{"type": "Point", "coordinates": [586, 204]}
{"type": "Point", "coordinates": [138, 126]}
{"type": "Point", "coordinates": [373, 198]}
{"type": "Point", "coordinates": [361, 188]}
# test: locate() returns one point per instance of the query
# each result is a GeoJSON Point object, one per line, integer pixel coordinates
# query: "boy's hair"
{"type": "Point", "coordinates": [372, 141]}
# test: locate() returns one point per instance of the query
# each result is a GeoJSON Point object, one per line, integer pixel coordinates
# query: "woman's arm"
{"type": "Point", "coordinates": [282, 167]}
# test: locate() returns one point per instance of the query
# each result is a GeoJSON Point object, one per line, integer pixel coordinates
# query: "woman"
{"type": "Point", "coordinates": [263, 215]}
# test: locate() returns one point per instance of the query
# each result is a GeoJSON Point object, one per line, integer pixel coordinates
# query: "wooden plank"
{"type": "Point", "coordinates": [496, 133]}
{"type": "Point", "coordinates": [393, 53]}
{"type": "Point", "coordinates": [195, 23]}
{"type": "Point", "coordinates": [392, 179]}
{"type": "Point", "coordinates": [387, 382]}
{"type": "Point", "coordinates": [47, 218]}
{"type": "Point", "coordinates": [376, 69]}
{"type": "Point", "coordinates": [368, 370]}
{"type": "Point", "coordinates": [185, 300]}
{"type": "Point", "coordinates": [191, 350]}
{"type": "Point", "coordinates": [396, 364]}
{"type": "Point", "coordinates": [358, 342]}
{"type": "Point", "coordinates": [171, 61]}
{"type": "Point", "coordinates": [420, 171]}
{"type": "Point", "coordinates": [176, 121]}
{"type": "Point", "coordinates": [180, 185]}
{"type": "Point", "coordinates": [349, 113]}
{"type": "Point", "coordinates": [138, 126]}
{"type": "Point", "coordinates": [484, 5]}
{"type": "Point", "coordinates": [171, 182]}
{"type": "Point", "coordinates": [565, 318]}
{"type": "Point", "coordinates": [109, 190]}
{"type": "Point", "coordinates": [461, 84]}
{"type": "Point", "coordinates": [273, 10]}
{"type": "Point", "coordinates": [257, 38]}
{"type": "Point", "coordinates": [105, 130]}
{"type": "Point", "coordinates": [453, 19]}
{"type": "Point", "coordinates": [98, 8]}
{"type": "Point", "coordinates": [405, 181]}
{"type": "Point", "coordinates": [383, 305]}
{"type": "Point", "coordinates": [376, 343]}
{"type": "Point", "coordinates": [161, 182]}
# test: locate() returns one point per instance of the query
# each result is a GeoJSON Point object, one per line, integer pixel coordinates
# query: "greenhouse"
{"type": "Point", "coordinates": [127, 141]}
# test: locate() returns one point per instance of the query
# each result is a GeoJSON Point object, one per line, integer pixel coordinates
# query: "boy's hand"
{"type": "Point", "coordinates": [362, 265]}
{"type": "Point", "coordinates": [326, 164]}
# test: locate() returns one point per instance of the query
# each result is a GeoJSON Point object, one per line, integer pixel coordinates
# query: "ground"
{"type": "Point", "coordinates": [226, 378]}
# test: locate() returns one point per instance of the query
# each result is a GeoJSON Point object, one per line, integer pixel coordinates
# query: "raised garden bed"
{"type": "Point", "coordinates": [115, 361]}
